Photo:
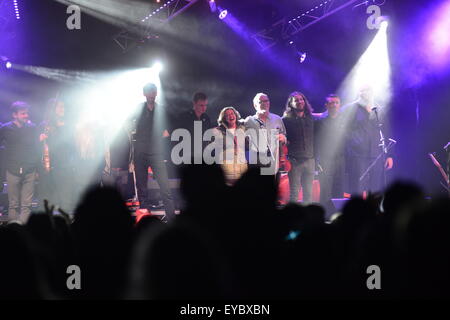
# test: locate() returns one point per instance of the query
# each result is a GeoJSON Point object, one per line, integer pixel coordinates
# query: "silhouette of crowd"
{"type": "Point", "coordinates": [232, 243]}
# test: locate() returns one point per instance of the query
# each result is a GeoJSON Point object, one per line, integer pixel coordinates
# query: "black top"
{"type": "Point", "coordinates": [363, 132]}
{"type": "Point", "coordinates": [186, 120]}
{"type": "Point", "coordinates": [300, 136]}
{"type": "Point", "coordinates": [150, 126]}
{"type": "Point", "coordinates": [61, 145]}
{"type": "Point", "coordinates": [22, 147]}
{"type": "Point", "coordinates": [120, 149]}
{"type": "Point", "coordinates": [330, 137]}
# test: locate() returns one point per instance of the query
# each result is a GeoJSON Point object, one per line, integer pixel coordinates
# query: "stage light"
{"type": "Point", "coordinates": [373, 70]}
{"type": "Point", "coordinates": [223, 14]}
{"type": "Point", "coordinates": [8, 65]}
{"type": "Point", "coordinates": [16, 9]}
{"type": "Point", "coordinates": [157, 67]}
{"type": "Point", "coordinates": [212, 5]}
{"type": "Point", "coordinates": [302, 56]}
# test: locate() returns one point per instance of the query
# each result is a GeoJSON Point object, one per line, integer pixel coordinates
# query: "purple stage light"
{"type": "Point", "coordinates": [16, 9]}
{"type": "Point", "coordinates": [223, 14]}
{"type": "Point", "coordinates": [8, 65]}
{"type": "Point", "coordinates": [302, 56]}
{"type": "Point", "coordinates": [438, 39]}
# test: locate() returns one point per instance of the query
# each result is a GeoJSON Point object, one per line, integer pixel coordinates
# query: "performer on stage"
{"type": "Point", "coordinates": [330, 135]}
{"type": "Point", "coordinates": [270, 129]}
{"type": "Point", "coordinates": [363, 142]}
{"type": "Point", "coordinates": [21, 139]}
{"type": "Point", "coordinates": [151, 129]}
{"type": "Point", "coordinates": [299, 123]}
{"type": "Point", "coordinates": [57, 168]}
{"type": "Point", "coordinates": [231, 135]}
{"type": "Point", "coordinates": [195, 117]}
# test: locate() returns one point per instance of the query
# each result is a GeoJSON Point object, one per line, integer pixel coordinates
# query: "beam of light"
{"type": "Point", "coordinates": [124, 14]}
{"type": "Point", "coordinates": [157, 67]}
{"type": "Point", "coordinates": [372, 69]}
{"type": "Point", "coordinates": [212, 6]}
{"type": "Point", "coordinates": [371, 72]}
{"type": "Point", "coordinates": [61, 75]}
{"type": "Point", "coordinates": [112, 100]}
{"type": "Point", "coordinates": [437, 39]}
{"type": "Point", "coordinates": [234, 24]}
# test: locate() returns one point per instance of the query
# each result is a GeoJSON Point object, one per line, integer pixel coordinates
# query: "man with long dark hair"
{"type": "Point", "coordinates": [299, 122]}
{"type": "Point", "coordinates": [57, 168]}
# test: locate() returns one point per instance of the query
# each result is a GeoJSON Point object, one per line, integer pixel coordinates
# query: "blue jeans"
{"type": "Point", "coordinates": [301, 174]}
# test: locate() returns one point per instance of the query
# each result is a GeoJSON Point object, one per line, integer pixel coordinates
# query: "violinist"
{"type": "Point", "coordinates": [57, 169]}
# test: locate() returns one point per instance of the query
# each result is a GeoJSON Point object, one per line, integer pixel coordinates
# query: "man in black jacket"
{"type": "Point", "coordinates": [330, 135]}
{"type": "Point", "coordinates": [363, 120]}
{"type": "Point", "coordinates": [151, 129]}
{"type": "Point", "coordinates": [196, 121]}
{"type": "Point", "coordinates": [21, 139]}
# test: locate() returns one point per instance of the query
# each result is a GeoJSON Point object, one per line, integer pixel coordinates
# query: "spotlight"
{"type": "Point", "coordinates": [8, 65]}
{"type": "Point", "coordinates": [212, 5]}
{"type": "Point", "coordinates": [302, 56]}
{"type": "Point", "coordinates": [382, 22]}
{"type": "Point", "coordinates": [157, 66]}
{"type": "Point", "coordinates": [223, 14]}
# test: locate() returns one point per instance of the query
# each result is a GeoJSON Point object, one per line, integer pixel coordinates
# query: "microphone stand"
{"type": "Point", "coordinates": [384, 149]}
{"type": "Point", "coordinates": [447, 149]}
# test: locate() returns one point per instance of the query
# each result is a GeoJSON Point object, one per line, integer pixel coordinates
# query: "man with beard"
{"type": "Point", "coordinates": [21, 139]}
{"type": "Point", "coordinates": [299, 122]}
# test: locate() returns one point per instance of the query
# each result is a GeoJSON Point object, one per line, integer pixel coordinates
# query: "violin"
{"type": "Point", "coordinates": [285, 164]}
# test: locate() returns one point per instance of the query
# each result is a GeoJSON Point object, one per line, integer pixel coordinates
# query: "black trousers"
{"type": "Point", "coordinates": [57, 187]}
{"type": "Point", "coordinates": [372, 182]}
{"type": "Point", "coordinates": [142, 161]}
{"type": "Point", "coordinates": [331, 179]}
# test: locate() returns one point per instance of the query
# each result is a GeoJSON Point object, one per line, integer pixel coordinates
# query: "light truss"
{"type": "Point", "coordinates": [285, 28]}
{"type": "Point", "coordinates": [152, 22]}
